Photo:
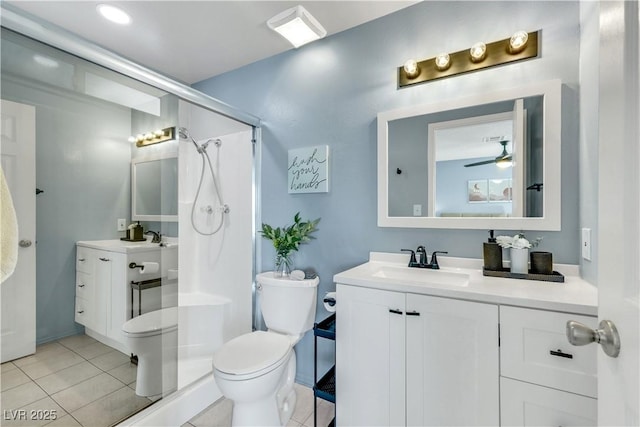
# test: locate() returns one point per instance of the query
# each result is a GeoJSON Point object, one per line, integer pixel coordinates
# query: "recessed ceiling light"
{"type": "Point", "coordinates": [114, 14]}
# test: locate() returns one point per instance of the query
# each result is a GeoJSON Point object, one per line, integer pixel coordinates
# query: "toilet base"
{"type": "Point", "coordinates": [258, 413]}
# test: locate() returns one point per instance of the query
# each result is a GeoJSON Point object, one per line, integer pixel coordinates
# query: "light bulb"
{"type": "Point", "coordinates": [503, 164]}
{"type": "Point", "coordinates": [443, 61]}
{"type": "Point", "coordinates": [411, 68]}
{"type": "Point", "coordinates": [478, 52]}
{"type": "Point", "coordinates": [518, 41]}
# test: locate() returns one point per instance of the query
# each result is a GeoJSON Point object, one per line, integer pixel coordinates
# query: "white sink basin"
{"type": "Point", "coordinates": [422, 275]}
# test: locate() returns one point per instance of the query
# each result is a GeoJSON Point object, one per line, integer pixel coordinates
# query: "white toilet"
{"type": "Point", "coordinates": [257, 370]}
{"type": "Point", "coordinates": [157, 363]}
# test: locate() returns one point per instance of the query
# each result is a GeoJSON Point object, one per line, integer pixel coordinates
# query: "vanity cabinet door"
{"type": "Point", "coordinates": [452, 362]}
{"type": "Point", "coordinates": [370, 357]}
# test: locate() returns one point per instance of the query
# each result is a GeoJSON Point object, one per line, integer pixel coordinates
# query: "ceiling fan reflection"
{"type": "Point", "coordinates": [504, 160]}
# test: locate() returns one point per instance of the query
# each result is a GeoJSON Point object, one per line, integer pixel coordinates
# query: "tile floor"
{"type": "Point", "coordinates": [75, 381]}
{"type": "Point", "coordinates": [219, 413]}
{"type": "Point", "coordinates": [78, 381]}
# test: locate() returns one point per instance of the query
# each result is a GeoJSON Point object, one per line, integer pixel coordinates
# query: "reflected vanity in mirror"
{"type": "Point", "coordinates": [481, 162]}
{"type": "Point", "coordinates": [154, 188]}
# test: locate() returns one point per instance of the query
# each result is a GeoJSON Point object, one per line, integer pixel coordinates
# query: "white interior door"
{"type": "Point", "coordinates": [619, 213]}
{"type": "Point", "coordinates": [18, 292]}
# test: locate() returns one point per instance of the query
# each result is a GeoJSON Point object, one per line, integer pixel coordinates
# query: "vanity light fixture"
{"type": "Point", "coordinates": [520, 46]}
{"type": "Point", "coordinates": [149, 138]}
{"type": "Point", "coordinates": [114, 14]}
{"type": "Point", "coordinates": [297, 25]}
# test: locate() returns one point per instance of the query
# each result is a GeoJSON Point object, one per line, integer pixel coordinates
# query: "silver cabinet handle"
{"type": "Point", "coordinates": [607, 336]}
{"type": "Point", "coordinates": [81, 259]}
{"type": "Point", "coordinates": [104, 259]}
{"type": "Point", "coordinates": [81, 286]}
{"type": "Point", "coordinates": [24, 243]}
{"type": "Point", "coordinates": [81, 311]}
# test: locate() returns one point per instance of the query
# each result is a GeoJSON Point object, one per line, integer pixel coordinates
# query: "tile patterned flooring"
{"type": "Point", "coordinates": [86, 383]}
{"type": "Point", "coordinates": [75, 381]}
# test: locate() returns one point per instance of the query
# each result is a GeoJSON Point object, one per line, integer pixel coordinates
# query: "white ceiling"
{"type": "Point", "coordinates": [194, 40]}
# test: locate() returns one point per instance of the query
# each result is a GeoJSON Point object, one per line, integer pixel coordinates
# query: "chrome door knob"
{"type": "Point", "coordinates": [25, 243]}
{"type": "Point", "coordinates": [607, 336]}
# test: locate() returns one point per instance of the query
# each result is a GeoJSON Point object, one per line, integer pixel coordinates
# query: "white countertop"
{"type": "Point", "coordinates": [575, 295]}
{"type": "Point", "coordinates": [123, 246]}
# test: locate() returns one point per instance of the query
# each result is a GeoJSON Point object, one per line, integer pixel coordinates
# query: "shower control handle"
{"type": "Point", "coordinates": [25, 243]}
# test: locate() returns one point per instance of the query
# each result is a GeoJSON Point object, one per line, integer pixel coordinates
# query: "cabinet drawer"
{"type": "Point", "coordinates": [84, 285]}
{"type": "Point", "coordinates": [534, 348]}
{"type": "Point", "coordinates": [525, 404]}
{"type": "Point", "coordinates": [81, 313]}
{"type": "Point", "coordinates": [84, 259]}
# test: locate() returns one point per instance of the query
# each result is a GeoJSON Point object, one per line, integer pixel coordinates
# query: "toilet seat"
{"type": "Point", "coordinates": [251, 355]}
{"type": "Point", "coordinates": [152, 323]}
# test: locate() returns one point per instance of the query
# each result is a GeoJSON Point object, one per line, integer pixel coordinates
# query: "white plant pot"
{"type": "Point", "coordinates": [520, 260]}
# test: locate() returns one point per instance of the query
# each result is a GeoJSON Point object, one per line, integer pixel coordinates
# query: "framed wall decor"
{"type": "Point", "coordinates": [308, 170]}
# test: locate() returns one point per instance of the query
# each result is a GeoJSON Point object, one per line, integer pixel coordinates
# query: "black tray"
{"type": "Point", "coordinates": [553, 277]}
{"type": "Point", "coordinates": [124, 239]}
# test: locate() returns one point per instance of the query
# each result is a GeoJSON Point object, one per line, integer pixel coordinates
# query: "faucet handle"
{"type": "Point", "coordinates": [412, 259]}
{"type": "Point", "coordinates": [434, 259]}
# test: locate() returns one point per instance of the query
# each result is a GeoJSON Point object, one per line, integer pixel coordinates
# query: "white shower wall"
{"type": "Point", "coordinates": [220, 264]}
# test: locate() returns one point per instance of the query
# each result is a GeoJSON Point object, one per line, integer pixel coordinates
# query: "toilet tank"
{"type": "Point", "coordinates": [288, 306]}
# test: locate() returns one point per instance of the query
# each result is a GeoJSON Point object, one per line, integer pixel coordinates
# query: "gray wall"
{"type": "Point", "coordinates": [329, 92]}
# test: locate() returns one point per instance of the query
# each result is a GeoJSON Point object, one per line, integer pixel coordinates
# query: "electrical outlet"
{"type": "Point", "coordinates": [417, 210]}
{"type": "Point", "coordinates": [122, 224]}
{"type": "Point", "coordinates": [586, 244]}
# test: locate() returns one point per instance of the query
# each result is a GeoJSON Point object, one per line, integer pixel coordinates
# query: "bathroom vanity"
{"type": "Point", "coordinates": [453, 347]}
{"type": "Point", "coordinates": [104, 300]}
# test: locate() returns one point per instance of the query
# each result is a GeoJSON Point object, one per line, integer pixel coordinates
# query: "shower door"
{"type": "Point", "coordinates": [19, 290]}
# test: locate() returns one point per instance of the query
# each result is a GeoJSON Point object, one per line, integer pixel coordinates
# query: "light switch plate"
{"type": "Point", "coordinates": [586, 244]}
{"type": "Point", "coordinates": [417, 210]}
{"type": "Point", "coordinates": [122, 224]}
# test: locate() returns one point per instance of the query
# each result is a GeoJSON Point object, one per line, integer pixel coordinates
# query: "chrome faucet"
{"type": "Point", "coordinates": [156, 236]}
{"type": "Point", "coordinates": [422, 263]}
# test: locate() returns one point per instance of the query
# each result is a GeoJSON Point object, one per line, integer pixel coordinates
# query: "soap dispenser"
{"type": "Point", "coordinates": [138, 232]}
{"type": "Point", "coordinates": [492, 253]}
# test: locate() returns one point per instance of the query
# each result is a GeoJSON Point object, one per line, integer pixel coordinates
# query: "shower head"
{"type": "Point", "coordinates": [184, 134]}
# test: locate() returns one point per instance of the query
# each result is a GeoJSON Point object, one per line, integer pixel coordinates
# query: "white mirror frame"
{"type": "Point", "coordinates": [552, 127]}
{"type": "Point", "coordinates": [141, 217]}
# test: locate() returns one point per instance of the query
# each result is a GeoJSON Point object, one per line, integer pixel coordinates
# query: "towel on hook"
{"type": "Point", "coordinates": [8, 231]}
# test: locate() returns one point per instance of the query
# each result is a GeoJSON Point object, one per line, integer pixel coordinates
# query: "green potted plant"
{"type": "Point", "coordinates": [287, 240]}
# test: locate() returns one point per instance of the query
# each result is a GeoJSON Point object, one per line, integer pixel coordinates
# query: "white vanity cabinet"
{"type": "Point", "coordinates": [408, 359]}
{"type": "Point", "coordinates": [103, 285]}
{"type": "Point", "coordinates": [545, 380]}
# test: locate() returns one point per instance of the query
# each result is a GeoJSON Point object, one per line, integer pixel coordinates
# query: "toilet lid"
{"type": "Point", "coordinates": [158, 320]}
{"type": "Point", "coordinates": [251, 352]}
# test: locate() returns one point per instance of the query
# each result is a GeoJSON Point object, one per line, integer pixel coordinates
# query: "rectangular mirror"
{"type": "Point", "coordinates": [481, 162]}
{"type": "Point", "coordinates": [154, 188]}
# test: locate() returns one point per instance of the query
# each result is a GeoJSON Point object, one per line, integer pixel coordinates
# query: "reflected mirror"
{"type": "Point", "coordinates": [154, 188]}
{"type": "Point", "coordinates": [489, 161]}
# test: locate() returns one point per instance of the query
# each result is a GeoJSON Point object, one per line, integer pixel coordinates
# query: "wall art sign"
{"type": "Point", "coordinates": [308, 170]}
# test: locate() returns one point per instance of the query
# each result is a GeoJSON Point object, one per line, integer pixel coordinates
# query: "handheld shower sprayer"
{"type": "Point", "coordinates": [202, 150]}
